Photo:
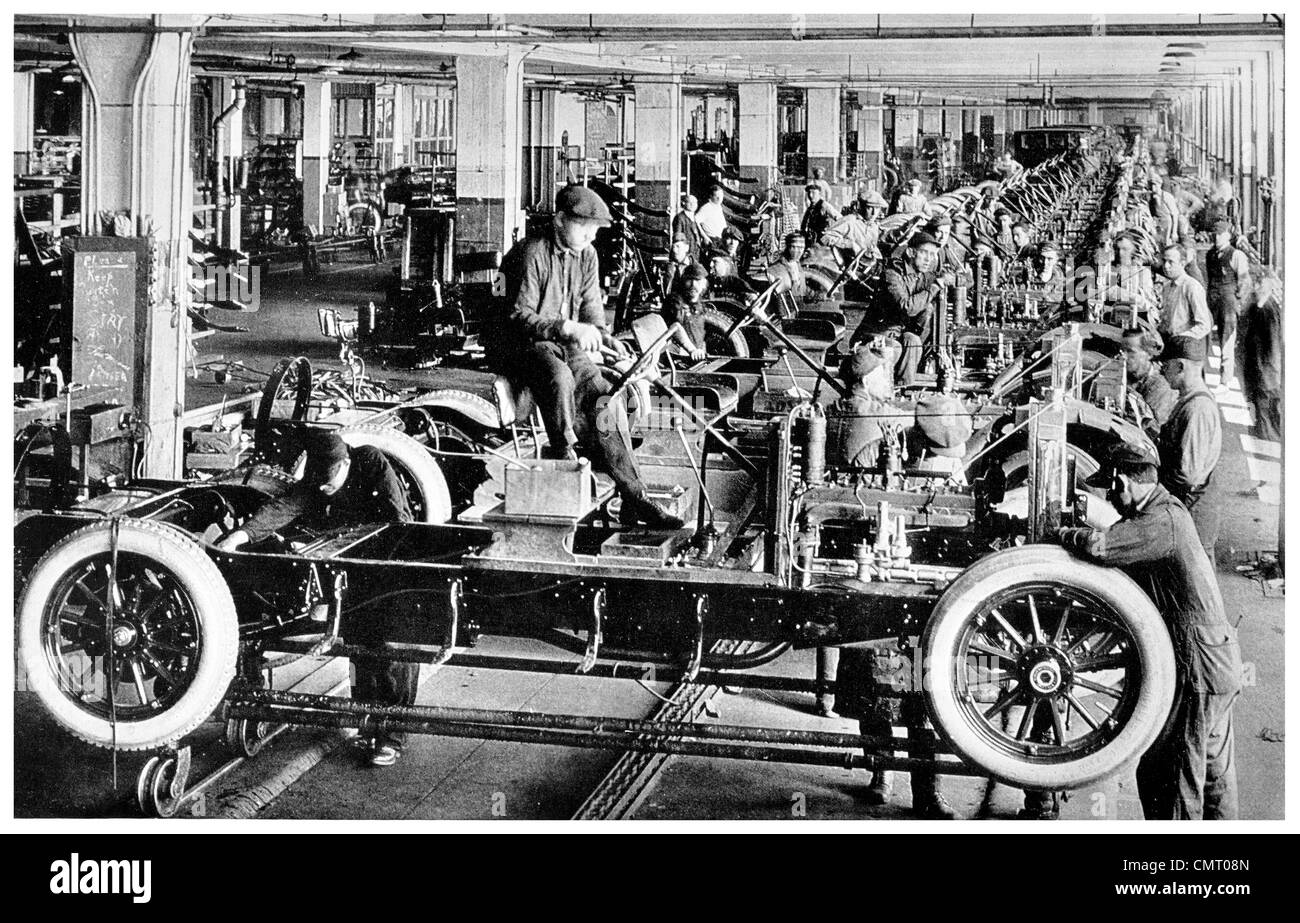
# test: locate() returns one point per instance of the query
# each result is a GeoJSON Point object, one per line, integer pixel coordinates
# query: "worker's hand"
{"type": "Point", "coordinates": [617, 346]}
{"type": "Point", "coordinates": [233, 540]}
{"type": "Point", "coordinates": [698, 354]}
{"type": "Point", "coordinates": [587, 337]}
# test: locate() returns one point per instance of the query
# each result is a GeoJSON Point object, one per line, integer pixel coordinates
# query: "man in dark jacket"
{"type": "Point", "coordinates": [817, 217]}
{"type": "Point", "coordinates": [344, 486]}
{"type": "Point", "coordinates": [554, 324]}
{"type": "Point", "coordinates": [1190, 774]}
{"type": "Point", "coordinates": [904, 304]}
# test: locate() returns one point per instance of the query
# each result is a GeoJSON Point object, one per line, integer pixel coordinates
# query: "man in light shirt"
{"type": "Point", "coordinates": [710, 217]}
{"type": "Point", "coordinates": [1183, 309]}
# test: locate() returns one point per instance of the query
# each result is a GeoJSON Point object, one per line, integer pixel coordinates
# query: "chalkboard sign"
{"type": "Point", "coordinates": [106, 314]}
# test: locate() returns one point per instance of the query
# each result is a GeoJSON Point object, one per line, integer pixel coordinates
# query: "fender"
{"type": "Point", "coordinates": [472, 406]}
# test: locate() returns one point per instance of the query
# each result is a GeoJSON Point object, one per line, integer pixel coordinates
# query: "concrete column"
{"type": "Point", "coordinates": [824, 130]}
{"type": "Point", "coordinates": [24, 89]}
{"type": "Point", "coordinates": [230, 148]}
{"type": "Point", "coordinates": [1094, 114]}
{"type": "Point", "coordinates": [1276, 111]}
{"type": "Point", "coordinates": [135, 179]}
{"type": "Point", "coordinates": [659, 145]}
{"type": "Point", "coordinates": [758, 134]}
{"type": "Point", "coordinates": [489, 142]}
{"type": "Point", "coordinates": [317, 135]}
{"type": "Point", "coordinates": [999, 114]}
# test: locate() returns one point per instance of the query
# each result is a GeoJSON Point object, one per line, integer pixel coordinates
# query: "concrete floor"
{"type": "Point", "coordinates": [310, 774]}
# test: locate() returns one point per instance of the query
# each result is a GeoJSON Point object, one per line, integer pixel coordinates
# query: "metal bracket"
{"type": "Point", "coordinates": [697, 648]}
{"type": "Point", "coordinates": [455, 595]}
{"type": "Point", "coordinates": [594, 633]}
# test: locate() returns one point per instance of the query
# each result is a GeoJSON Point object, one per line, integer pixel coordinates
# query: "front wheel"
{"type": "Point", "coordinates": [128, 640]}
{"type": "Point", "coordinates": [1047, 672]}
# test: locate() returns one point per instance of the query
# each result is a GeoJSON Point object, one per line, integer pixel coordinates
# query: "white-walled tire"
{"type": "Point", "coordinates": [174, 643]}
{"type": "Point", "coordinates": [1058, 706]}
{"type": "Point", "coordinates": [427, 488]}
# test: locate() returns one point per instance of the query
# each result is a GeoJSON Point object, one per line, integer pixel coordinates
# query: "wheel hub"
{"type": "Point", "coordinates": [1046, 671]}
{"type": "Point", "coordinates": [124, 635]}
{"type": "Point", "coordinates": [1045, 677]}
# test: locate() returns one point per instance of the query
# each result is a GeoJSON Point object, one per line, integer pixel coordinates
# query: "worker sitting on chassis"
{"type": "Point", "coordinates": [344, 486]}
{"type": "Point", "coordinates": [550, 337]}
{"type": "Point", "coordinates": [685, 307]}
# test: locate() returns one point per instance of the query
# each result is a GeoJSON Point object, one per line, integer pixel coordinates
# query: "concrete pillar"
{"type": "Point", "coordinates": [489, 141]}
{"type": "Point", "coordinates": [999, 114]}
{"type": "Point", "coordinates": [659, 145]}
{"type": "Point", "coordinates": [824, 130]}
{"type": "Point", "coordinates": [24, 120]}
{"type": "Point", "coordinates": [317, 136]}
{"type": "Point", "coordinates": [1094, 114]}
{"type": "Point", "coordinates": [135, 168]}
{"type": "Point", "coordinates": [230, 148]}
{"type": "Point", "coordinates": [758, 134]}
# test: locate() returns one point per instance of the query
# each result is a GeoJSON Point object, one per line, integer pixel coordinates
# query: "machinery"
{"type": "Point", "coordinates": [134, 629]}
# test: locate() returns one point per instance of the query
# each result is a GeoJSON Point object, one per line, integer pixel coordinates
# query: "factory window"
{"type": "Point", "coordinates": [434, 130]}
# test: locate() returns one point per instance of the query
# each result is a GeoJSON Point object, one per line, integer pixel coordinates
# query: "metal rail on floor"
{"type": "Point", "coordinates": [781, 745]}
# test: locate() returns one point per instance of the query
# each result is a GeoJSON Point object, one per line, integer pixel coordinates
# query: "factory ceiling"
{"type": "Point", "coordinates": [961, 56]}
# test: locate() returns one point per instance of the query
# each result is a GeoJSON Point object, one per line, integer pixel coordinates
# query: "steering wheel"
{"type": "Point", "coordinates": [647, 361]}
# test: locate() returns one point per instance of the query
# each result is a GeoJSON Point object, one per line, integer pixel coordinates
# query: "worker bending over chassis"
{"type": "Point", "coordinates": [549, 339]}
{"type": "Point", "coordinates": [905, 303]}
{"type": "Point", "coordinates": [343, 486]}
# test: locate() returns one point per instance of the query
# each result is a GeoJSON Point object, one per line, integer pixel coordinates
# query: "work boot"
{"type": "Point", "coordinates": [642, 509]}
{"type": "Point", "coordinates": [1040, 806]}
{"type": "Point", "coordinates": [928, 802]}
{"type": "Point", "coordinates": [880, 789]}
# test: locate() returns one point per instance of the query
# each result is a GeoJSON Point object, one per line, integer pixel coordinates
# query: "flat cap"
{"type": "Point", "coordinates": [946, 424]}
{"type": "Point", "coordinates": [938, 221]}
{"type": "Point", "coordinates": [325, 449]}
{"type": "Point", "coordinates": [921, 238]}
{"type": "Point", "coordinates": [860, 362]}
{"type": "Point", "coordinates": [876, 200]}
{"type": "Point", "coordinates": [1222, 227]}
{"type": "Point", "coordinates": [580, 202]}
{"type": "Point", "coordinates": [1125, 455]}
{"type": "Point", "coordinates": [681, 237]}
{"type": "Point", "coordinates": [1187, 348]}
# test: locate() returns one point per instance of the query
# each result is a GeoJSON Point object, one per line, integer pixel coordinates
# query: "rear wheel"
{"type": "Point", "coordinates": [128, 643]}
{"type": "Point", "coordinates": [426, 488]}
{"type": "Point", "coordinates": [1047, 672]}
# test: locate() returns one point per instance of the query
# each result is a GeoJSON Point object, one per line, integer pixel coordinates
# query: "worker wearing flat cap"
{"type": "Point", "coordinates": [788, 271]}
{"type": "Point", "coordinates": [869, 203]}
{"type": "Point", "coordinates": [817, 217]}
{"type": "Point", "coordinates": [346, 485]}
{"type": "Point", "coordinates": [1192, 438]}
{"type": "Point", "coordinates": [904, 304]}
{"type": "Point", "coordinates": [1190, 773]}
{"type": "Point", "coordinates": [912, 201]}
{"type": "Point", "coordinates": [550, 334]}
{"type": "Point", "coordinates": [679, 258]}
{"type": "Point", "coordinates": [1229, 281]}
{"type": "Point", "coordinates": [1146, 379]}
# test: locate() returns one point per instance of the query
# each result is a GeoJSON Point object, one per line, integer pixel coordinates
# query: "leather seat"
{"type": "Point", "coordinates": [514, 402]}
